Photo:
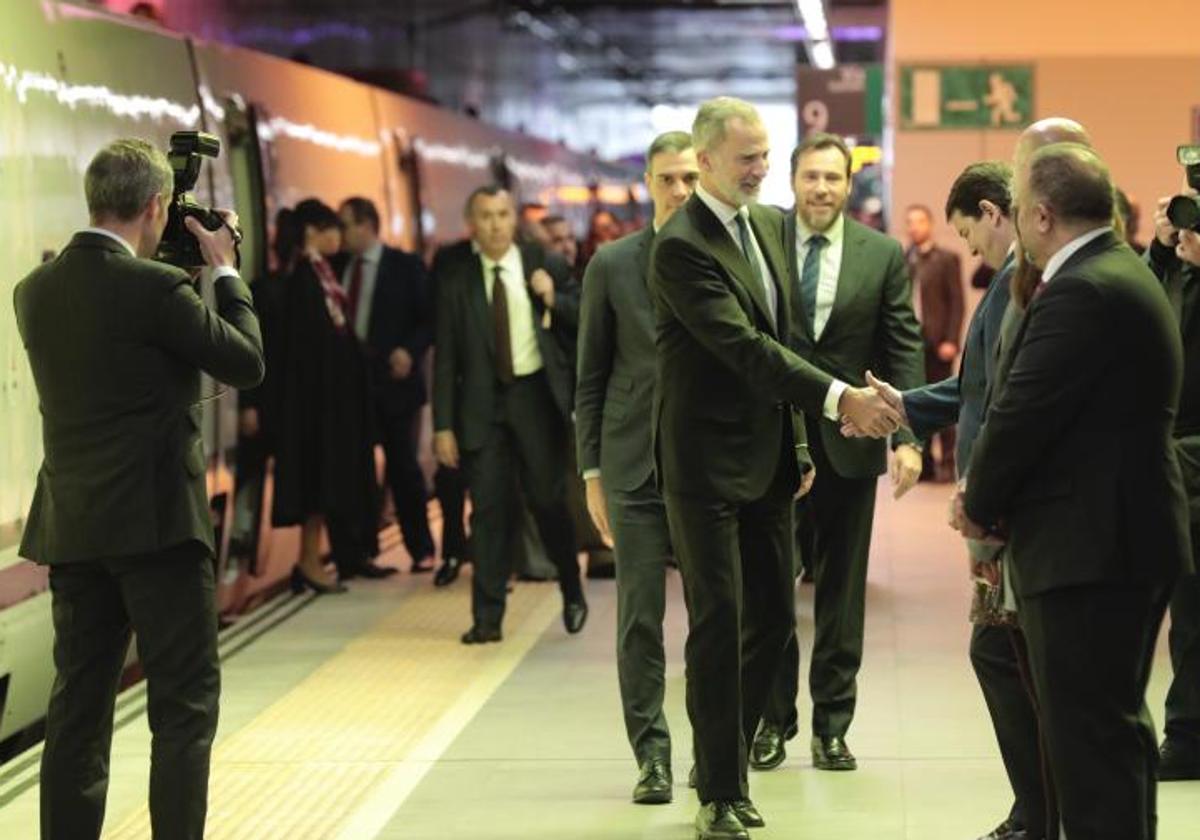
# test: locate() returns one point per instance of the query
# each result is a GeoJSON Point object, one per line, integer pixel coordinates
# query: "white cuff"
{"type": "Point", "coordinates": [832, 397]}
{"type": "Point", "coordinates": [222, 271]}
{"type": "Point", "coordinates": [592, 473]}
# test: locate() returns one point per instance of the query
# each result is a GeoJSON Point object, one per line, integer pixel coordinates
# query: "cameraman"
{"type": "Point", "coordinates": [117, 343]}
{"type": "Point", "coordinates": [1174, 256]}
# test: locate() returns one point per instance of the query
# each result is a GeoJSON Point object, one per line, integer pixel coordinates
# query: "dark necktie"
{"type": "Point", "coordinates": [747, 244]}
{"type": "Point", "coordinates": [504, 360]}
{"type": "Point", "coordinates": [810, 278]}
{"type": "Point", "coordinates": [356, 280]}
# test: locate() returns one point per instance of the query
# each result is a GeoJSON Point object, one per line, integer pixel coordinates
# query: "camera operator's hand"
{"type": "Point", "coordinates": [1164, 231]}
{"type": "Point", "coordinates": [216, 246]}
{"type": "Point", "coordinates": [1188, 248]}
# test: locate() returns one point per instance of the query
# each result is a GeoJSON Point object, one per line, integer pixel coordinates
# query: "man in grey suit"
{"type": "Point", "coordinates": [612, 417]}
{"type": "Point", "coordinates": [121, 515]}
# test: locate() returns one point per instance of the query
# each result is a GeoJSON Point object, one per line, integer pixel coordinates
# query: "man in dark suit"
{"type": "Point", "coordinates": [938, 298]}
{"type": "Point", "coordinates": [1174, 257]}
{"type": "Point", "coordinates": [852, 312]}
{"type": "Point", "coordinates": [730, 448]}
{"type": "Point", "coordinates": [117, 344]}
{"type": "Point", "coordinates": [388, 303]}
{"type": "Point", "coordinates": [1076, 466]}
{"type": "Point", "coordinates": [502, 400]}
{"type": "Point", "coordinates": [979, 207]}
{"type": "Point", "coordinates": [612, 413]}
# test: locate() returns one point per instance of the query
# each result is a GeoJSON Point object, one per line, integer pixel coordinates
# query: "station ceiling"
{"type": "Point", "coordinates": [570, 53]}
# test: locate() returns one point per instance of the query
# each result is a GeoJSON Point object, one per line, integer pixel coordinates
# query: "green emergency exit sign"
{"type": "Point", "coordinates": [979, 96]}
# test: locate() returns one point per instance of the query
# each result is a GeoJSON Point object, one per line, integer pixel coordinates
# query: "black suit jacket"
{"type": "Point", "coordinates": [400, 317]}
{"type": "Point", "coordinates": [726, 381]}
{"type": "Point", "coordinates": [615, 391]}
{"type": "Point", "coordinates": [464, 378]}
{"type": "Point", "coordinates": [117, 345]}
{"type": "Point", "coordinates": [1076, 456]}
{"type": "Point", "coordinates": [871, 327]}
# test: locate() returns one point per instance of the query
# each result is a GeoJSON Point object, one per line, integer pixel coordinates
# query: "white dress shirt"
{"type": "Point", "coordinates": [1067, 251]}
{"type": "Point", "coordinates": [366, 295]}
{"type": "Point", "coordinates": [526, 356]}
{"type": "Point", "coordinates": [223, 271]}
{"type": "Point", "coordinates": [830, 268]}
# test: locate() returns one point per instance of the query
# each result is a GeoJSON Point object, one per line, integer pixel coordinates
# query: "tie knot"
{"type": "Point", "coordinates": [818, 240]}
{"type": "Point", "coordinates": [497, 270]}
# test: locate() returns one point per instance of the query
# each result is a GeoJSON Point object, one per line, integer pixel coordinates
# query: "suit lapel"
{"type": "Point", "coordinates": [767, 230]}
{"type": "Point", "coordinates": [643, 255]}
{"type": "Point", "coordinates": [793, 273]}
{"type": "Point", "coordinates": [477, 300]}
{"type": "Point", "coordinates": [853, 242]}
{"type": "Point", "coordinates": [727, 253]}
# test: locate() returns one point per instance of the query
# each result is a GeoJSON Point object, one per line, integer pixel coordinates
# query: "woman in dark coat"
{"type": "Point", "coordinates": [325, 459]}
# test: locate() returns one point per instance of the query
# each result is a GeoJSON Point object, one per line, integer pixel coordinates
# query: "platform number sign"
{"type": "Point", "coordinates": [976, 97]}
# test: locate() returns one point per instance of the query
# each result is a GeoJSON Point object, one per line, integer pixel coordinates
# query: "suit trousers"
{"type": "Point", "coordinates": [738, 583]}
{"type": "Point", "coordinates": [168, 600]}
{"type": "Point", "coordinates": [528, 439]}
{"type": "Point", "coordinates": [449, 486]}
{"type": "Point", "coordinates": [642, 542]}
{"type": "Point", "coordinates": [1183, 698]}
{"type": "Point", "coordinates": [996, 656]}
{"type": "Point", "coordinates": [407, 482]}
{"type": "Point", "coordinates": [836, 516]}
{"type": "Point", "coordinates": [1090, 652]}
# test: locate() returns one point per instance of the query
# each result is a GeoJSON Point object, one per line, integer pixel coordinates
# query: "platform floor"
{"type": "Point", "coordinates": [361, 716]}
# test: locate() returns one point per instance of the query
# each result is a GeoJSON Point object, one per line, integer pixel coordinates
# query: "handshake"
{"type": "Point", "coordinates": [875, 411]}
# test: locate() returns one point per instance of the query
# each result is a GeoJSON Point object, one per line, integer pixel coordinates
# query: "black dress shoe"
{"type": "Point", "coordinates": [1007, 830]}
{"type": "Point", "coordinates": [301, 581]}
{"type": "Point", "coordinates": [481, 635]}
{"type": "Point", "coordinates": [575, 615]}
{"type": "Point", "coordinates": [654, 783]}
{"type": "Point", "coordinates": [1178, 761]}
{"type": "Point", "coordinates": [748, 814]}
{"type": "Point", "coordinates": [829, 752]}
{"type": "Point", "coordinates": [370, 570]}
{"type": "Point", "coordinates": [718, 821]}
{"type": "Point", "coordinates": [420, 565]}
{"type": "Point", "coordinates": [768, 751]}
{"type": "Point", "coordinates": [447, 573]}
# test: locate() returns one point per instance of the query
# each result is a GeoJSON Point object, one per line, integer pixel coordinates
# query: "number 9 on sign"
{"type": "Point", "coordinates": [815, 114]}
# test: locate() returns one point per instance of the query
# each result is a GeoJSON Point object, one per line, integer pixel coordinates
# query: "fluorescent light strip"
{"type": "Point", "coordinates": [821, 53]}
{"type": "Point", "coordinates": [812, 15]}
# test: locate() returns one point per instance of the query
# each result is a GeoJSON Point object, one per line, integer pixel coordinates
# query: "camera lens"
{"type": "Point", "coordinates": [1184, 213]}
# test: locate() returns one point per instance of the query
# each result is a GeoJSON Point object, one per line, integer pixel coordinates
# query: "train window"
{"type": "Point", "coordinates": [245, 168]}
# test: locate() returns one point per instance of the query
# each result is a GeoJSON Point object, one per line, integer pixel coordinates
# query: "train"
{"type": "Point", "coordinates": [73, 77]}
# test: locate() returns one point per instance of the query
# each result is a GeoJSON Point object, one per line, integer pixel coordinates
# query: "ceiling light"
{"type": "Point", "coordinates": [812, 15]}
{"type": "Point", "coordinates": [821, 54]}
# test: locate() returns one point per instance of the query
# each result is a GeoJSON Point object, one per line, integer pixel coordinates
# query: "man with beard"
{"type": "Point", "coordinates": [853, 313]}
{"type": "Point", "coordinates": [730, 448]}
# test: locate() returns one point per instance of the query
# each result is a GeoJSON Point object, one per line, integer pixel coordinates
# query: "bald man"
{"type": "Point", "coordinates": [1075, 467]}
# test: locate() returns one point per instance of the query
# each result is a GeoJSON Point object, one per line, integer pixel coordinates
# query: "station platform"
{"type": "Point", "coordinates": [361, 716]}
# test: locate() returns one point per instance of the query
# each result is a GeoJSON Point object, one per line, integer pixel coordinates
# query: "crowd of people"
{"type": "Point", "coordinates": [719, 390]}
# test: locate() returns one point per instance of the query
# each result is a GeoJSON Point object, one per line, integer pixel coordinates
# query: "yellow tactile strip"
{"type": "Point", "coordinates": [303, 767]}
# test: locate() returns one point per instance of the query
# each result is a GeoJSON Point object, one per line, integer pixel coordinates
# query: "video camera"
{"type": "Point", "coordinates": [178, 246]}
{"type": "Point", "coordinates": [1183, 211]}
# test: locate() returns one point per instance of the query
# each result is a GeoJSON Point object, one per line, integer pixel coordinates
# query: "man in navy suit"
{"type": "Point", "coordinates": [389, 308]}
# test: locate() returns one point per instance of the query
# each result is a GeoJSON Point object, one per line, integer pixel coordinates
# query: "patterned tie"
{"type": "Point", "coordinates": [504, 360]}
{"type": "Point", "coordinates": [810, 277]}
{"type": "Point", "coordinates": [747, 244]}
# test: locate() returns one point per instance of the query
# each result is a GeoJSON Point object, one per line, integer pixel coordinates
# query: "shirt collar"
{"type": "Point", "coordinates": [833, 235]}
{"type": "Point", "coordinates": [489, 263]}
{"type": "Point", "coordinates": [1056, 262]}
{"type": "Point", "coordinates": [373, 254]}
{"type": "Point", "coordinates": [724, 212]}
{"type": "Point", "coordinates": [114, 236]}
